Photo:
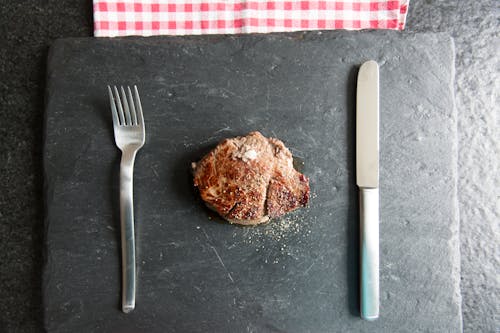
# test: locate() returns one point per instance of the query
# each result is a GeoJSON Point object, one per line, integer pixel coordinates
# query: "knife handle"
{"type": "Point", "coordinates": [369, 229]}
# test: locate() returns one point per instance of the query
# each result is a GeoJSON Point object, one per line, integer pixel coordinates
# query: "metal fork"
{"type": "Point", "coordinates": [128, 125]}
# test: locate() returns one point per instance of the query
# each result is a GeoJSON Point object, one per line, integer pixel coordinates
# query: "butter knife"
{"type": "Point", "coordinates": [367, 179]}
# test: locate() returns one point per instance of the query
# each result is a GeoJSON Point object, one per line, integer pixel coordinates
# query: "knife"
{"type": "Point", "coordinates": [367, 170]}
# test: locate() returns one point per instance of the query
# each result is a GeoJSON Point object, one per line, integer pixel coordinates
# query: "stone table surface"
{"type": "Point", "coordinates": [28, 27]}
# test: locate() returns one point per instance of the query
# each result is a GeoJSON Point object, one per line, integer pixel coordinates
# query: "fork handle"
{"type": "Point", "coordinates": [127, 230]}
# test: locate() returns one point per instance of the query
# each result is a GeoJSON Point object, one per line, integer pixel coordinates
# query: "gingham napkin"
{"type": "Point", "coordinates": [196, 17]}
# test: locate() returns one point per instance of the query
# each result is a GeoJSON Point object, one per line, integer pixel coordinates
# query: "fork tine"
{"type": "Point", "coordinates": [140, 119]}
{"type": "Point", "coordinates": [126, 109]}
{"type": "Point", "coordinates": [116, 121]}
{"type": "Point", "coordinates": [132, 106]}
{"type": "Point", "coordinates": [120, 108]}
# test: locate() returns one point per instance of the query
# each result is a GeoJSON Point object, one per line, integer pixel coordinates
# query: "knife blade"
{"type": "Point", "coordinates": [367, 179]}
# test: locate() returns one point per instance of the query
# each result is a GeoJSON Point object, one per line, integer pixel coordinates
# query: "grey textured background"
{"type": "Point", "coordinates": [27, 28]}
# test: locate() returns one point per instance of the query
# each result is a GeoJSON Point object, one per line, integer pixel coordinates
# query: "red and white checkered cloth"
{"type": "Point", "coordinates": [196, 17]}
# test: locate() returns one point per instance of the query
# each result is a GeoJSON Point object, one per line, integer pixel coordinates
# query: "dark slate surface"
{"type": "Point", "coordinates": [298, 274]}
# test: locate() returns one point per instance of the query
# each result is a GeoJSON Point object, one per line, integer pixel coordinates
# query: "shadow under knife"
{"type": "Point", "coordinates": [352, 230]}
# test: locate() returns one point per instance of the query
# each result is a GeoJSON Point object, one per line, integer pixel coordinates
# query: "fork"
{"type": "Point", "coordinates": [128, 125]}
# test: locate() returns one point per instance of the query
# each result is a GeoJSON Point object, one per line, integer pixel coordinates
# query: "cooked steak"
{"type": "Point", "coordinates": [250, 179]}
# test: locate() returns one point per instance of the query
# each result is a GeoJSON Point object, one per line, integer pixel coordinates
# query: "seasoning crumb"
{"type": "Point", "coordinates": [280, 230]}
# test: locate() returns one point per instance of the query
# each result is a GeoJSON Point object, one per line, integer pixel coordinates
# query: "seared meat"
{"type": "Point", "coordinates": [250, 179]}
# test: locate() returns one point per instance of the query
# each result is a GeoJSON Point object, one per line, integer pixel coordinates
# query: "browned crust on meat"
{"type": "Point", "coordinates": [248, 187]}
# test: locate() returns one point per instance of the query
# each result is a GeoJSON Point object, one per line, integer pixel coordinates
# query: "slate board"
{"type": "Point", "coordinates": [297, 274]}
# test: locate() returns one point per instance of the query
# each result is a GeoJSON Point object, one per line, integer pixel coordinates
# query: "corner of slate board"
{"type": "Point", "coordinates": [198, 275]}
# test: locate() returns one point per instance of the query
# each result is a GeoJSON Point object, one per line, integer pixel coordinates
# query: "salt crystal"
{"type": "Point", "coordinates": [250, 155]}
